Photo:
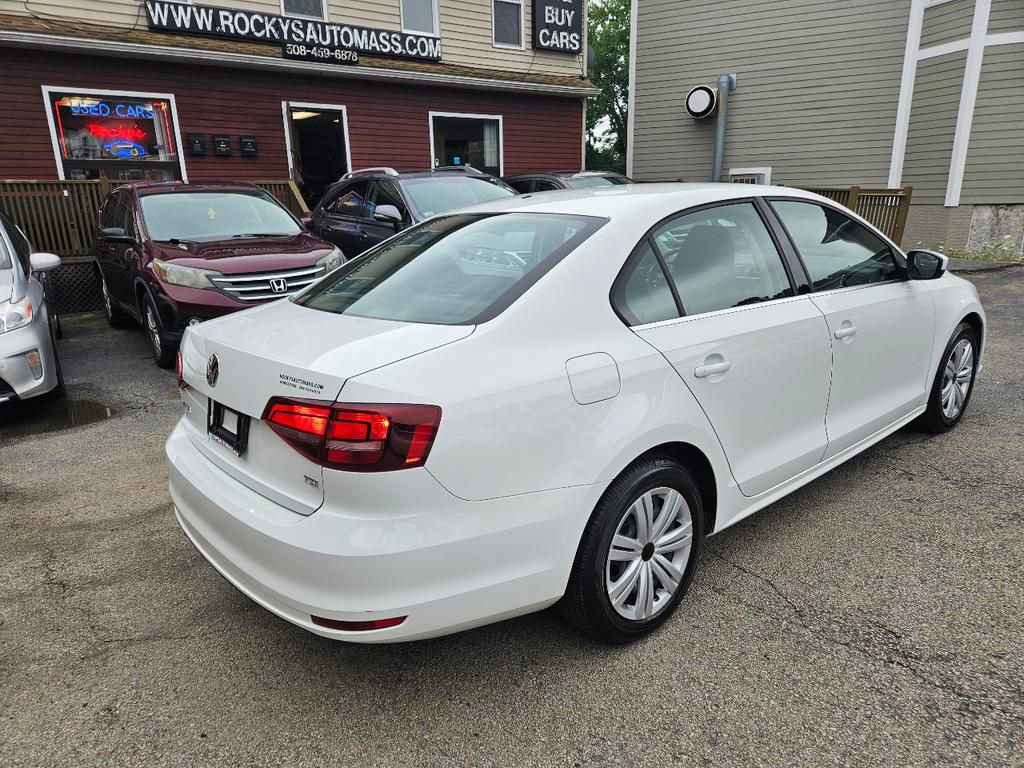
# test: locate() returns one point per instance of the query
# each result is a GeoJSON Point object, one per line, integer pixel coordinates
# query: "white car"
{"type": "Point", "coordinates": [553, 398]}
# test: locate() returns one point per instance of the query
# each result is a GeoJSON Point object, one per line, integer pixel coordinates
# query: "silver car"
{"type": "Point", "coordinates": [28, 355]}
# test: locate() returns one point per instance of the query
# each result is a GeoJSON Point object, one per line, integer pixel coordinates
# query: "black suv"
{"type": "Point", "coordinates": [542, 182]}
{"type": "Point", "coordinates": [367, 206]}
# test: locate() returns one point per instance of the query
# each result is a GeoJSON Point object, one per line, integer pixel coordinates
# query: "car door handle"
{"type": "Point", "coordinates": [845, 331]}
{"type": "Point", "coordinates": [711, 369]}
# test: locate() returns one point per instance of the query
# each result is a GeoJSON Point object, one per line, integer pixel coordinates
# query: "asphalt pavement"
{"type": "Point", "coordinates": [873, 618]}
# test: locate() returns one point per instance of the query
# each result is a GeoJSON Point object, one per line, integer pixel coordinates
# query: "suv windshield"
{"type": "Point", "coordinates": [215, 216]}
{"type": "Point", "coordinates": [438, 194]}
{"type": "Point", "coordinates": [456, 270]}
{"type": "Point", "coordinates": [582, 182]}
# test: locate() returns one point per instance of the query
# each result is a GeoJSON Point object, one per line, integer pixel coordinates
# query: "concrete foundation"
{"type": "Point", "coordinates": [970, 227]}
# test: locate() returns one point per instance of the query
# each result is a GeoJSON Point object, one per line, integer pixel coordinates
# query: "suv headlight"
{"type": "Point", "coordinates": [190, 277]}
{"type": "Point", "coordinates": [332, 260]}
{"type": "Point", "coordinates": [15, 314]}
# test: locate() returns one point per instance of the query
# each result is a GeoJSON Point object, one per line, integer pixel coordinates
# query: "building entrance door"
{"type": "Point", "coordinates": [318, 138]}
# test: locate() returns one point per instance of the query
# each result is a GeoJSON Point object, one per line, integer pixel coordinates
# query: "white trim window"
{"type": "Point", "coordinates": [760, 175]}
{"type": "Point", "coordinates": [420, 17]}
{"type": "Point", "coordinates": [304, 9]}
{"type": "Point", "coordinates": [458, 138]}
{"type": "Point", "coordinates": [507, 22]}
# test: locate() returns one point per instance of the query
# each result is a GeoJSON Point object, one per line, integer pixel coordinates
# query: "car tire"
{"type": "Point", "coordinates": [116, 317]}
{"type": "Point", "coordinates": [622, 593]}
{"type": "Point", "coordinates": [953, 384]}
{"type": "Point", "coordinates": [164, 353]}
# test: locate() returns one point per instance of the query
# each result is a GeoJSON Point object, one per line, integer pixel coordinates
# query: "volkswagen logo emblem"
{"type": "Point", "coordinates": [279, 285]}
{"type": "Point", "coordinates": [212, 370]}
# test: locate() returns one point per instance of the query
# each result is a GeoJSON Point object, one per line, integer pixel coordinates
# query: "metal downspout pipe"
{"type": "Point", "coordinates": [725, 84]}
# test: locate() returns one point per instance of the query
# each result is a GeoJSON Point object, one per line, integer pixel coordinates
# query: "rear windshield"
{"type": "Point", "coordinates": [455, 270]}
{"type": "Point", "coordinates": [199, 216]}
{"type": "Point", "coordinates": [439, 194]}
{"type": "Point", "coordinates": [582, 182]}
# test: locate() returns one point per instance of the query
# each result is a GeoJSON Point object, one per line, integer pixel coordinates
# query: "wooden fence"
{"type": "Point", "coordinates": [60, 216]}
{"type": "Point", "coordinates": [885, 208]}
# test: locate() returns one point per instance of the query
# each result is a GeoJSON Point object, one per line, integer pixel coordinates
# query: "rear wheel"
{"type": "Point", "coordinates": [638, 552]}
{"type": "Point", "coordinates": [163, 353]}
{"type": "Point", "coordinates": [953, 384]}
{"type": "Point", "coordinates": [115, 316]}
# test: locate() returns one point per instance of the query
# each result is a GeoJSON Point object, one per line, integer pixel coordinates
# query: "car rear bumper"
{"type": "Point", "coordinates": [16, 377]}
{"type": "Point", "coordinates": [401, 546]}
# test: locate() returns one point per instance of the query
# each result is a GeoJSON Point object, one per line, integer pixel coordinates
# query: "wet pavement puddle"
{"type": "Point", "coordinates": [39, 416]}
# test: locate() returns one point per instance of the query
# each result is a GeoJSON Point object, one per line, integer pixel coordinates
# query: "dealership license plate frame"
{"type": "Point", "coordinates": [228, 427]}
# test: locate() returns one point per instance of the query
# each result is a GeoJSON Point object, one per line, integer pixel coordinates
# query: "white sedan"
{"type": "Point", "coordinates": [553, 399]}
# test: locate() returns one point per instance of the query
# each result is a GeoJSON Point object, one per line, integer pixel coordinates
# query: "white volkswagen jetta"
{"type": "Point", "coordinates": [553, 398]}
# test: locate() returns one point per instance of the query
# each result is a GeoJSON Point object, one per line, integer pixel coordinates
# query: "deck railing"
{"type": "Point", "coordinates": [60, 216]}
{"type": "Point", "coordinates": [885, 208]}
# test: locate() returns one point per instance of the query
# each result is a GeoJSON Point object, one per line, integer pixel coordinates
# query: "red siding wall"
{"type": "Point", "coordinates": [388, 124]}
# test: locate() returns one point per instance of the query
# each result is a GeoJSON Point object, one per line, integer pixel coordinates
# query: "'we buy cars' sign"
{"type": "Point", "coordinates": [558, 25]}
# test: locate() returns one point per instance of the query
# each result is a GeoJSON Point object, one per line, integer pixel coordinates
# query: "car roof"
{"type": "Point", "coordinates": [181, 187]}
{"type": "Point", "coordinates": [564, 174]}
{"type": "Point", "coordinates": [627, 200]}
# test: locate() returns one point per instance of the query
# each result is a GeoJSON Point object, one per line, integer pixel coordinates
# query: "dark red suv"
{"type": "Point", "coordinates": [170, 254]}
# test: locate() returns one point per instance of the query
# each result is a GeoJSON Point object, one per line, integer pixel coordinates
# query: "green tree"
{"type": "Point", "coordinates": [608, 31]}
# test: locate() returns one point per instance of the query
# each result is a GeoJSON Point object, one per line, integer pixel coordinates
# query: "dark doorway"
{"type": "Point", "coordinates": [319, 149]}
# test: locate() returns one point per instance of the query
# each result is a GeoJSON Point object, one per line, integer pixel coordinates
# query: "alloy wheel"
{"type": "Point", "coordinates": [153, 330]}
{"type": "Point", "coordinates": [956, 378]}
{"type": "Point", "coordinates": [648, 554]}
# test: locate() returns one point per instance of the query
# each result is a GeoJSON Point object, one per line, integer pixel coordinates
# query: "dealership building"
{"type": "Point", "coordinates": [300, 90]}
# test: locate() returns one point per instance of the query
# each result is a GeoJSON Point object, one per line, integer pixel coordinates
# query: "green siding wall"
{"type": "Point", "coordinates": [1006, 16]}
{"type": "Point", "coordinates": [932, 126]}
{"type": "Point", "coordinates": [947, 22]}
{"type": "Point", "coordinates": [818, 87]}
{"type": "Point", "coordinates": [995, 154]}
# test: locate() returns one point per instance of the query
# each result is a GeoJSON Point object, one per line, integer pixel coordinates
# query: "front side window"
{"type": "Point", "coordinates": [385, 193]}
{"type": "Point", "coordinates": [308, 9]}
{"type": "Point", "coordinates": [350, 200]}
{"type": "Point", "coordinates": [721, 257]}
{"type": "Point", "coordinates": [206, 216]}
{"type": "Point", "coordinates": [419, 16]}
{"type": "Point", "coordinates": [439, 194]}
{"type": "Point", "coordinates": [455, 270]}
{"type": "Point", "coordinates": [508, 23]}
{"type": "Point", "coordinates": [22, 247]}
{"type": "Point", "coordinates": [837, 250]}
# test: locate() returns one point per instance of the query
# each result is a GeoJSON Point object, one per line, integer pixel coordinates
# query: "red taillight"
{"type": "Point", "coordinates": [357, 626]}
{"type": "Point", "coordinates": [360, 437]}
{"type": "Point", "coordinates": [179, 368]}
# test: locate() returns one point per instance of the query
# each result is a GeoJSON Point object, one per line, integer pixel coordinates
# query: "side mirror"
{"type": "Point", "coordinates": [926, 265]}
{"type": "Point", "coordinates": [114, 235]}
{"type": "Point", "coordinates": [306, 222]}
{"type": "Point", "coordinates": [388, 213]}
{"type": "Point", "coordinates": [43, 262]}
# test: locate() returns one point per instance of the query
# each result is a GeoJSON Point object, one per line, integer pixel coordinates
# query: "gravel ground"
{"type": "Point", "coordinates": [873, 618]}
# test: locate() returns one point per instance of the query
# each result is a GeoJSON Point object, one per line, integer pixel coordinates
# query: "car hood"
{"type": "Point", "coordinates": [6, 285]}
{"type": "Point", "coordinates": [250, 254]}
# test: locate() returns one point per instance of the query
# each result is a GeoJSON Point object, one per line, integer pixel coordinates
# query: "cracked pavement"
{"type": "Point", "coordinates": [873, 618]}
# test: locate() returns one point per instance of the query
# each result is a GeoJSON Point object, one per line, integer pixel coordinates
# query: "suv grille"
{"type": "Point", "coordinates": [264, 286]}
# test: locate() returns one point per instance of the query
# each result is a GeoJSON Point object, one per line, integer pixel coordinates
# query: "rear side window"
{"type": "Point", "coordinates": [521, 185]}
{"type": "Point", "coordinates": [722, 257]}
{"type": "Point", "coordinates": [837, 250]}
{"type": "Point", "coordinates": [454, 270]}
{"type": "Point", "coordinates": [643, 295]}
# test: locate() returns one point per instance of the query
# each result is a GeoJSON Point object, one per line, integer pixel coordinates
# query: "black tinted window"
{"type": "Point", "coordinates": [22, 247]}
{"type": "Point", "coordinates": [545, 186]}
{"type": "Point", "coordinates": [350, 200]}
{"type": "Point", "coordinates": [722, 257]}
{"type": "Point", "coordinates": [387, 194]}
{"type": "Point", "coordinates": [642, 295]}
{"type": "Point", "coordinates": [837, 250]}
{"type": "Point", "coordinates": [521, 185]}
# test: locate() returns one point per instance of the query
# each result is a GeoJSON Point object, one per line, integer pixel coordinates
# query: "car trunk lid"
{"type": "Point", "coordinates": [284, 350]}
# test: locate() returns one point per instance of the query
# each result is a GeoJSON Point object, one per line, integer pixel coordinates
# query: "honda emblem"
{"type": "Point", "coordinates": [279, 285]}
